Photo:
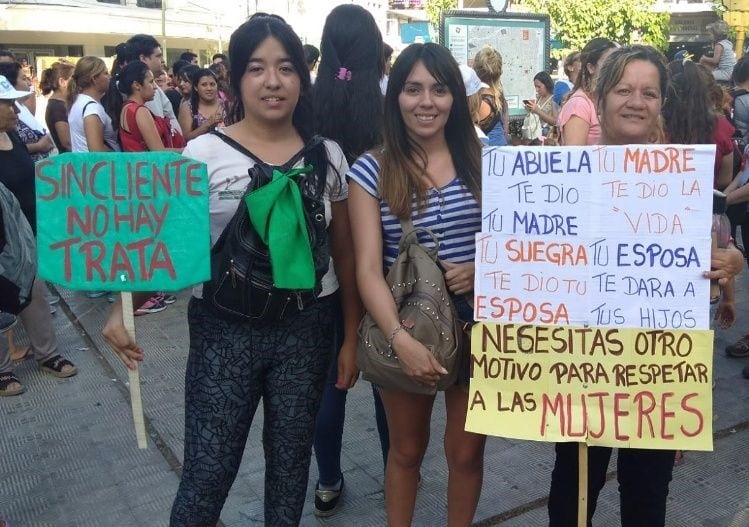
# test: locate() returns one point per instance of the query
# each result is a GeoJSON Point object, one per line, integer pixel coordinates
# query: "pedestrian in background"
{"type": "Point", "coordinates": [55, 84]}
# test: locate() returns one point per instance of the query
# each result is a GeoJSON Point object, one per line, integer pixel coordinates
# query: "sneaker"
{"type": "Point", "coordinates": [51, 300]}
{"type": "Point", "coordinates": [95, 294]}
{"type": "Point", "coordinates": [52, 309]}
{"type": "Point", "coordinates": [327, 501]}
{"type": "Point", "coordinates": [168, 298]}
{"type": "Point", "coordinates": [7, 321]}
{"type": "Point", "coordinates": [58, 366]}
{"type": "Point", "coordinates": [111, 297]}
{"type": "Point", "coordinates": [153, 305]}
{"type": "Point", "coordinates": [739, 349]}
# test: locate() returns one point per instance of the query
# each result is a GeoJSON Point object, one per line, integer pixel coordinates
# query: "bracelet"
{"type": "Point", "coordinates": [393, 334]}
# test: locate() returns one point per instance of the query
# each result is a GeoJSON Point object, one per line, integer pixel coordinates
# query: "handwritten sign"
{"type": "Point", "coordinates": [637, 388]}
{"type": "Point", "coordinates": [123, 222]}
{"type": "Point", "coordinates": [589, 286]}
{"type": "Point", "coordinates": [604, 235]}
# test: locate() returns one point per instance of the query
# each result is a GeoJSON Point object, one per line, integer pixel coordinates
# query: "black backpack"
{"type": "Point", "coordinates": [241, 285]}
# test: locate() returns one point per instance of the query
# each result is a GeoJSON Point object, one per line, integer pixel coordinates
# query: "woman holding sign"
{"type": "Point", "coordinates": [235, 362]}
{"type": "Point", "coordinates": [429, 171]}
{"type": "Point", "coordinates": [630, 91]}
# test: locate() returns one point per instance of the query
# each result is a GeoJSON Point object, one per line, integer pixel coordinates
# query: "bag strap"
{"type": "Point", "coordinates": [408, 230]}
{"type": "Point", "coordinates": [314, 142]}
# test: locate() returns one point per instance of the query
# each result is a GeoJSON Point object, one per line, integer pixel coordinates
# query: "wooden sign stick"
{"type": "Point", "coordinates": [582, 485]}
{"type": "Point", "coordinates": [133, 375]}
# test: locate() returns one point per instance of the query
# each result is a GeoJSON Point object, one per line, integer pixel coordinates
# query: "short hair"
{"type": "Point", "coordinates": [142, 45]}
{"type": "Point", "coordinates": [178, 65]}
{"type": "Point", "coordinates": [741, 71]}
{"type": "Point", "coordinates": [311, 54]}
{"type": "Point", "coordinates": [7, 53]}
{"type": "Point", "coordinates": [11, 71]}
{"type": "Point", "coordinates": [188, 56]}
{"type": "Point", "coordinates": [219, 56]}
{"type": "Point", "coordinates": [718, 29]}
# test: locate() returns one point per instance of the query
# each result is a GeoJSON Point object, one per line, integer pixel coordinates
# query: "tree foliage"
{"type": "Point", "coordinates": [576, 22]}
{"type": "Point", "coordinates": [435, 7]}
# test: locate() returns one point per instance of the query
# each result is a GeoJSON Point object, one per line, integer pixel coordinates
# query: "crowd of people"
{"type": "Point", "coordinates": [373, 145]}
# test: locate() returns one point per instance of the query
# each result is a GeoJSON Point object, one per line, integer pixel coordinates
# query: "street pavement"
{"type": "Point", "coordinates": [69, 456]}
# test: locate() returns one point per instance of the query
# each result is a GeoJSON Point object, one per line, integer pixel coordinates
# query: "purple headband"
{"type": "Point", "coordinates": [343, 74]}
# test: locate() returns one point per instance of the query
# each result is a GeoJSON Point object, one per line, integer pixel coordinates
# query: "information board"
{"type": "Point", "coordinates": [521, 38]}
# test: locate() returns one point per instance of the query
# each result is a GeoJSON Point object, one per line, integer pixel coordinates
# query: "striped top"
{"type": "Point", "coordinates": [451, 213]}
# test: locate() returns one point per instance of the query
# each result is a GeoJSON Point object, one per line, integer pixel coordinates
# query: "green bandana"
{"type": "Point", "coordinates": [277, 213]}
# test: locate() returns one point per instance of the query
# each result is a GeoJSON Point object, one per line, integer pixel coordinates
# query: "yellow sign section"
{"type": "Point", "coordinates": [616, 387]}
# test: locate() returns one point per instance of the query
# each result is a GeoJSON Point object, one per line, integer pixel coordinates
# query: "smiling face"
{"type": "Point", "coordinates": [631, 108]}
{"type": "Point", "coordinates": [8, 115]}
{"type": "Point", "coordinates": [270, 85]}
{"type": "Point", "coordinates": [207, 88]}
{"type": "Point", "coordinates": [425, 104]}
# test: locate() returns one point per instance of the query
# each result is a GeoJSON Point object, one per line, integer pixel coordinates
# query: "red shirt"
{"type": "Point", "coordinates": [723, 138]}
{"type": "Point", "coordinates": [132, 141]}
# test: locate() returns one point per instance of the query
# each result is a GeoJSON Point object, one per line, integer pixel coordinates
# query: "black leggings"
{"type": "Point", "coordinates": [643, 477]}
{"type": "Point", "coordinates": [229, 368]}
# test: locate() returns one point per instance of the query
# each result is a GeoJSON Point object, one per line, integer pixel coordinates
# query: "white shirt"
{"type": "Point", "coordinates": [161, 106]}
{"type": "Point", "coordinates": [228, 179]}
{"type": "Point", "coordinates": [84, 106]}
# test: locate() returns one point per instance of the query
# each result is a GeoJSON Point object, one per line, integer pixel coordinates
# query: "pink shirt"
{"type": "Point", "coordinates": [580, 105]}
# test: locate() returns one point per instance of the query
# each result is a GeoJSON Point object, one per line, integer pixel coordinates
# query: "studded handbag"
{"type": "Point", "coordinates": [425, 311]}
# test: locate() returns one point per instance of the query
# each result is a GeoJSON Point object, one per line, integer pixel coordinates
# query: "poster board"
{"type": "Point", "coordinates": [123, 221]}
{"type": "Point", "coordinates": [521, 38]}
{"type": "Point", "coordinates": [590, 297]}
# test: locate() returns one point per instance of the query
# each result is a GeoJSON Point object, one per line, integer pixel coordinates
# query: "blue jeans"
{"type": "Point", "coordinates": [330, 419]}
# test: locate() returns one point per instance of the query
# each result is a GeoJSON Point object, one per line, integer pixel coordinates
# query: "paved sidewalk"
{"type": "Point", "coordinates": [69, 457]}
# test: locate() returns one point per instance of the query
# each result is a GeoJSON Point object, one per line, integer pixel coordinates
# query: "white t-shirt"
{"type": "Point", "coordinates": [228, 179]}
{"type": "Point", "coordinates": [161, 106]}
{"type": "Point", "coordinates": [84, 106]}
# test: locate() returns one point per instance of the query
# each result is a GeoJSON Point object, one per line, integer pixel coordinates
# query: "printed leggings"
{"type": "Point", "coordinates": [229, 368]}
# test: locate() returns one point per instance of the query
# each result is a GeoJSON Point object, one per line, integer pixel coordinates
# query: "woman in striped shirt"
{"type": "Point", "coordinates": [429, 170]}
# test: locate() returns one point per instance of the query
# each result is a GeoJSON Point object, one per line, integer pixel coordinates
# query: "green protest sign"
{"type": "Point", "coordinates": [123, 221]}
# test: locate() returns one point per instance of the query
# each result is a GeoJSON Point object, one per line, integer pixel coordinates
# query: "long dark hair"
{"type": "Point", "coordinates": [194, 97]}
{"type": "Point", "coordinates": [687, 113]}
{"type": "Point", "coordinates": [347, 95]}
{"type": "Point", "coordinates": [404, 162]}
{"type": "Point", "coordinates": [245, 39]}
{"type": "Point", "coordinates": [134, 72]}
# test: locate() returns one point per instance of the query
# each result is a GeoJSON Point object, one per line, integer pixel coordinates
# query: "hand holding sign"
{"type": "Point", "coordinates": [123, 222]}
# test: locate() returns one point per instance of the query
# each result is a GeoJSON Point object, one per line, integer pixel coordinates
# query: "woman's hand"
{"type": "Point", "coordinates": [725, 264]}
{"type": "Point", "coordinates": [348, 372]}
{"type": "Point", "coordinates": [416, 360]}
{"type": "Point", "coordinates": [532, 106]}
{"type": "Point", "coordinates": [459, 277]}
{"type": "Point", "coordinates": [119, 340]}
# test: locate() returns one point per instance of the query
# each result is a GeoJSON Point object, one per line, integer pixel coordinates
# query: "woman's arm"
{"type": "Point", "coordinates": [575, 132]}
{"type": "Point", "coordinates": [366, 225]}
{"type": "Point", "coordinates": [93, 128]}
{"type": "Point", "coordinates": [62, 128]}
{"type": "Point", "coordinates": [147, 127]}
{"type": "Point", "coordinates": [549, 117]}
{"type": "Point", "coordinates": [185, 121]}
{"type": "Point", "coordinates": [345, 270]}
{"type": "Point", "coordinates": [42, 146]}
{"type": "Point", "coordinates": [712, 61]}
{"type": "Point", "coordinates": [725, 173]}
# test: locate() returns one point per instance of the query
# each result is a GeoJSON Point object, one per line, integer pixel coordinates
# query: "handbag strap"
{"type": "Point", "coordinates": [408, 230]}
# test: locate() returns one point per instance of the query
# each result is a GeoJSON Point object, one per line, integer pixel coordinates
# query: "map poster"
{"type": "Point", "coordinates": [522, 39]}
